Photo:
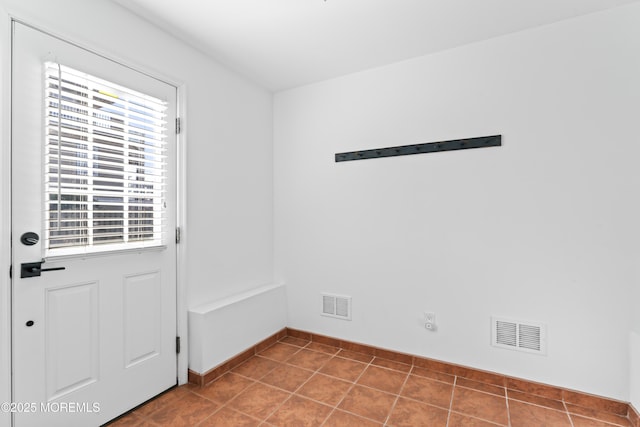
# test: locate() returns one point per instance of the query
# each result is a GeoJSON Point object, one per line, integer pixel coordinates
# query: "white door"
{"type": "Point", "coordinates": [93, 192]}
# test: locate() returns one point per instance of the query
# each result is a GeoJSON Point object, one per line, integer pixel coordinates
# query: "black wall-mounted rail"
{"type": "Point", "coordinates": [430, 147]}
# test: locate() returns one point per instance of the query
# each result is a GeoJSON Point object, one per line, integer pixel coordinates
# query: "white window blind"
{"type": "Point", "coordinates": [105, 165]}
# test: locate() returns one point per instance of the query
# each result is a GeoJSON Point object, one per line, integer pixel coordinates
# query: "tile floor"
{"type": "Point", "coordinates": [297, 383]}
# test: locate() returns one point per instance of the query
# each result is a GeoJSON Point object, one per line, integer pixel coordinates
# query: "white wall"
{"type": "Point", "coordinates": [543, 228]}
{"type": "Point", "coordinates": [229, 227]}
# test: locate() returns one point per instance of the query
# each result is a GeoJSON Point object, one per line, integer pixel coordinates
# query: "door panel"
{"type": "Point", "coordinates": [71, 338]}
{"type": "Point", "coordinates": [142, 317]}
{"type": "Point", "coordinates": [98, 336]}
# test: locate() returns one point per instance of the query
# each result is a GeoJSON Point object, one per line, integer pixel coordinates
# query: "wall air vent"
{"type": "Point", "coordinates": [338, 306]}
{"type": "Point", "coordinates": [530, 337]}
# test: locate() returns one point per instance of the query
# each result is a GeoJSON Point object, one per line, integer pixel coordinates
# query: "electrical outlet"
{"type": "Point", "coordinates": [429, 317]}
{"type": "Point", "coordinates": [430, 321]}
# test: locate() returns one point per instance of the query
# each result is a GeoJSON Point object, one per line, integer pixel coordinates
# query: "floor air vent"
{"type": "Point", "coordinates": [530, 337]}
{"type": "Point", "coordinates": [338, 306]}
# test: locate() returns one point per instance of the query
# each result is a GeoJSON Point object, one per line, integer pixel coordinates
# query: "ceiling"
{"type": "Point", "coordinates": [282, 44]}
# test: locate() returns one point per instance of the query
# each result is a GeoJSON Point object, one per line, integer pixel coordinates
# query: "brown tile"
{"type": "Point", "coordinates": [225, 388]}
{"type": "Point", "coordinates": [191, 386]}
{"type": "Point", "coordinates": [238, 360]}
{"type": "Point", "coordinates": [187, 411]}
{"type": "Point", "coordinates": [227, 417]}
{"type": "Point", "coordinates": [394, 356]}
{"type": "Point", "coordinates": [299, 334]}
{"type": "Point", "coordinates": [295, 341]}
{"type": "Point", "coordinates": [607, 417]}
{"type": "Point", "coordinates": [481, 376]}
{"type": "Point", "coordinates": [579, 421]}
{"type": "Point", "coordinates": [167, 398]}
{"type": "Point", "coordinates": [536, 400]}
{"type": "Point", "coordinates": [280, 352]}
{"type": "Point", "coordinates": [523, 414]}
{"type": "Point", "coordinates": [328, 349]}
{"type": "Point", "coordinates": [634, 417]}
{"type": "Point", "coordinates": [345, 369]}
{"type": "Point", "coordinates": [595, 402]}
{"type": "Point", "coordinates": [426, 373]}
{"type": "Point", "coordinates": [538, 389]}
{"type": "Point", "coordinates": [480, 386]}
{"type": "Point", "coordinates": [480, 405]}
{"type": "Point", "coordinates": [333, 342]}
{"type": "Point", "coordinates": [530, 403]}
{"type": "Point", "coordinates": [383, 379]}
{"type": "Point", "coordinates": [256, 367]}
{"type": "Point", "coordinates": [360, 357]}
{"type": "Point", "coordinates": [265, 343]}
{"type": "Point", "coordinates": [130, 420]}
{"type": "Point", "coordinates": [345, 419]}
{"type": "Point", "coordinates": [358, 348]}
{"type": "Point", "coordinates": [259, 400]}
{"type": "Point", "coordinates": [145, 423]}
{"type": "Point", "coordinates": [214, 374]}
{"type": "Point", "coordinates": [325, 389]}
{"type": "Point", "coordinates": [309, 359]}
{"type": "Point", "coordinates": [434, 365]}
{"type": "Point", "coordinates": [396, 366]}
{"type": "Point", "coordinates": [287, 377]}
{"type": "Point", "coordinates": [409, 413]}
{"type": "Point", "coordinates": [300, 412]}
{"type": "Point", "coordinates": [369, 403]}
{"type": "Point", "coordinates": [428, 391]}
{"type": "Point", "coordinates": [460, 420]}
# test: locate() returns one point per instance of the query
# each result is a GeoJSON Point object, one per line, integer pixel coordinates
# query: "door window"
{"type": "Point", "coordinates": [105, 165]}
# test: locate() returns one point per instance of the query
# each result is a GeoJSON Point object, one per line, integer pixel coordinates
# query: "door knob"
{"type": "Point", "coordinates": [29, 238]}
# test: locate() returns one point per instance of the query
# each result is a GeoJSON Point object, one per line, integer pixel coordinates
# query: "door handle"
{"type": "Point", "coordinates": [33, 269]}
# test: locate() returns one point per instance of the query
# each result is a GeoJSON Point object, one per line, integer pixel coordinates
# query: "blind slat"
{"type": "Point", "coordinates": [83, 79]}
{"type": "Point", "coordinates": [103, 140]}
{"type": "Point", "coordinates": [127, 158]}
{"type": "Point", "coordinates": [104, 163]}
{"type": "Point", "coordinates": [79, 102]}
{"type": "Point", "coordinates": [92, 103]}
{"type": "Point", "coordinates": [102, 124]}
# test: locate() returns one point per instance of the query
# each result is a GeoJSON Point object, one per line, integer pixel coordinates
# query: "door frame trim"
{"type": "Point", "coordinates": [5, 216]}
{"type": "Point", "coordinates": [8, 18]}
{"type": "Point", "coordinates": [182, 311]}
